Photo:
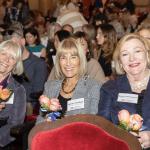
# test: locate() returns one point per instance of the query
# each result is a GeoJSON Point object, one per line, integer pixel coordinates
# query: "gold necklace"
{"type": "Point", "coordinates": [63, 83]}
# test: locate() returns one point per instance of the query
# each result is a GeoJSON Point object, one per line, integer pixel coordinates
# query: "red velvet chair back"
{"type": "Point", "coordinates": [77, 136]}
{"type": "Point", "coordinates": [81, 132]}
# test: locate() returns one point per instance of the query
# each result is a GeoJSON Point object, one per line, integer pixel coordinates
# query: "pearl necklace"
{"type": "Point", "coordinates": [140, 85]}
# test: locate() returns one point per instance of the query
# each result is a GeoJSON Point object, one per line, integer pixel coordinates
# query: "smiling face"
{"type": "Point", "coordinates": [133, 57]}
{"type": "Point", "coordinates": [70, 64]}
{"type": "Point", "coordinates": [7, 61]}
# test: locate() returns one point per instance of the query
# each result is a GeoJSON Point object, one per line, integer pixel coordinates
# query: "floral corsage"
{"type": "Point", "coordinates": [130, 122]}
{"type": "Point", "coordinates": [50, 108]}
{"type": "Point", "coordinates": [5, 94]}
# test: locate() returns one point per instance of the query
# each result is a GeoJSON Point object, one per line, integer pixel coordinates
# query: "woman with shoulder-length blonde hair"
{"type": "Point", "coordinates": [116, 55]}
{"type": "Point", "coordinates": [131, 89]}
{"type": "Point", "coordinates": [75, 49]}
{"type": "Point", "coordinates": [13, 103]}
{"type": "Point", "coordinates": [72, 85]}
{"type": "Point", "coordinates": [16, 52]}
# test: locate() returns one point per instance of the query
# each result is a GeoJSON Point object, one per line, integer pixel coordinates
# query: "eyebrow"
{"type": "Point", "coordinates": [123, 51]}
{"type": "Point", "coordinates": [134, 48]}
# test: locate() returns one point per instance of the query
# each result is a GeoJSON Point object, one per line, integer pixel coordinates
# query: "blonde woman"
{"type": "Point", "coordinates": [12, 110]}
{"type": "Point", "coordinates": [76, 92]}
{"type": "Point", "coordinates": [131, 90]}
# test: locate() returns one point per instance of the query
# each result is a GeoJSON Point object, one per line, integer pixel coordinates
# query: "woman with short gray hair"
{"type": "Point", "coordinates": [12, 94]}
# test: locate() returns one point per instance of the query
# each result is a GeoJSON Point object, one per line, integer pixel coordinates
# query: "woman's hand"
{"type": "Point", "coordinates": [2, 106]}
{"type": "Point", "coordinates": [144, 139]}
{"type": "Point", "coordinates": [55, 105]}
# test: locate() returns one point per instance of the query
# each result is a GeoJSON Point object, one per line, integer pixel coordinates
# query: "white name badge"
{"type": "Point", "coordinates": [11, 99]}
{"type": "Point", "coordinates": [75, 104]}
{"type": "Point", "coordinates": [128, 98]}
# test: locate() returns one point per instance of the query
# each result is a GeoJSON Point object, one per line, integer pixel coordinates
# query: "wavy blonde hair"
{"type": "Point", "coordinates": [127, 37]}
{"type": "Point", "coordinates": [73, 46]}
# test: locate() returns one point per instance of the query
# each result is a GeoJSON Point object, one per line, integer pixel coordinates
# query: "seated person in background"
{"type": "Point", "coordinates": [131, 58]}
{"type": "Point", "coordinates": [72, 84]}
{"type": "Point", "coordinates": [71, 16]}
{"type": "Point", "coordinates": [95, 72]}
{"type": "Point", "coordinates": [12, 110]}
{"type": "Point", "coordinates": [33, 43]}
{"type": "Point", "coordinates": [107, 40]}
{"type": "Point", "coordinates": [35, 73]}
{"type": "Point", "coordinates": [90, 33]}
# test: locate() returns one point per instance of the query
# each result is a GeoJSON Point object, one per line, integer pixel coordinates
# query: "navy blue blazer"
{"type": "Point", "coordinates": [109, 106]}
